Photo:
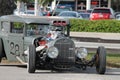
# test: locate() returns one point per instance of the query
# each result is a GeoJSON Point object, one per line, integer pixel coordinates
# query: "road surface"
{"type": "Point", "coordinates": [20, 73]}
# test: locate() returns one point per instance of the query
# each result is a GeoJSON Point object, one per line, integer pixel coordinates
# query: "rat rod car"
{"type": "Point", "coordinates": [44, 42]}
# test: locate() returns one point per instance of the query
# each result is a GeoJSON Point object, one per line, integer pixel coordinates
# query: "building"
{"type": "Point", "coordinates": [89, 4]}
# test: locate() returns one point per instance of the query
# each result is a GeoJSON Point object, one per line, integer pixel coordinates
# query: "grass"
{"type": "Point", "coordinates": [113, 59]}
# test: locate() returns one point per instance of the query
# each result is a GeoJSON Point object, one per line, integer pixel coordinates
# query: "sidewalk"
{"type": "Point", "coordinates": [108, 36]}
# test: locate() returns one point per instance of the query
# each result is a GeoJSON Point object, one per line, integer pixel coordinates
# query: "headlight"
{"type": "Point", "coordinates": [81, 52]}
{"type": "Point", "coordinates": [52, 52]}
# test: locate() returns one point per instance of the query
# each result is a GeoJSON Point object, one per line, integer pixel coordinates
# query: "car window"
{"type": "Point", "coordinates": [62, 9]}
{"type": "Point", "coordinates": [68, 14]}
{"type": "Point", "coordinates": [17, 27]}
{"type": "Point", "coordinates": [101, 11]}
{"type": "Point", "coordinates": [5, 26]}
{"type": "Point", "coordinates": [32, 13]}
{"type": "Point", "coordinates": [36, 29]}
{"type": "Point", "coordinates": [40, 29]}
{"type": "Point", "coordinates": [85, 15]}
{"type": "Point", "coordinates": [63, 14]}
{"type": "Point", "coordinates": [72, 14]}
{"type": "Point", "coordinates": [29, 12]}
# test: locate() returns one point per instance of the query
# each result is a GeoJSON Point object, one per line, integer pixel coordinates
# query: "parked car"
{"type": "Point", "coordinates": [31, 13]}
{"type": "Point", "coordinates": [16, 12]}
{"type": "Point", "coordinates": [85, 15]}
{"type": "Point", "coordinates": [100, 13]}
{"type": "Point", "coordinates": [44, 42]}
{"type": "Point", "coordinates": [70, 14]}
{"type": "Point", "coordinates": [85, 11]}
{"type": "Point", "coordinates": [116, 13]}
{"type": "Point", "coordinates": [28, 13]}
{"type": "Point", "coordinates": [59, 9]}
{"type": "Point", "coordinates": [118, 17]}
{"type": "Point", "coordinates": [89, 10]}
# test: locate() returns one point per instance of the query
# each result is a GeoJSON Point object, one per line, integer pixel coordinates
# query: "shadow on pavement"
{"type": "Point", "coordinates": [89, 70]}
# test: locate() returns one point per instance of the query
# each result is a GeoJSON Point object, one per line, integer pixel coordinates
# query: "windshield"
{"type": "Point", "coordinates": [40, 29]}
{"type": "Point", "coordinates": [85, 15]}
{"type": "Point", "coordinates": [62, 9]}
{"type": "Point", "coordinates": [37, 29]}
{"type": "Point", "coordinates": [70, 14]}
{"type": "Point", "coordinates": [101, 11]}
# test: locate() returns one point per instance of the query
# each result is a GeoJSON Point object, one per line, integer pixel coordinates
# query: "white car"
{"type": "Point", "coordinates": [31, 13]}
{"type": "Point", "coordinates": [16, 12]}
{"type": "Point", "coordinates": [27, 13]}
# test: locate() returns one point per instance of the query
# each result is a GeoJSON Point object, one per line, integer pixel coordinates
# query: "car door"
{"type": "Point", "coordinates": [15, 41]}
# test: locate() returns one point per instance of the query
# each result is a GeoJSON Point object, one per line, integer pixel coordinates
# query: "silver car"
{"type": "Point", "coordinates": [44, 42]}
{"type": "Point", "coordinates": [70, 14]}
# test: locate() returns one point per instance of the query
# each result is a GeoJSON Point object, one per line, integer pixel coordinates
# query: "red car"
{"type": "Point", "coordinates": [100, 13]}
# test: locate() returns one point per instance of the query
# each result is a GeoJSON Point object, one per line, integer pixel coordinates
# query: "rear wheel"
{"type": "Point", "coordinates": [1, 50]}
{"type": "Point", "coordinates": [31, 59]}
{"type": "Point", "coordinates": [101, 60]}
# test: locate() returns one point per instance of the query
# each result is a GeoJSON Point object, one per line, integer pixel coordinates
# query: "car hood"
{"type": "Point", "coordinates": [30, 39]}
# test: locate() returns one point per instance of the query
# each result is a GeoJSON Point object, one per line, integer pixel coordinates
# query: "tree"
{"type": "Point", "coordinates": [7, 7]}
{"type": "Point", "coordinates": [21, 3]}
{"type": "Point", "coordinates": [45, 3]}
{"type": "Point", "coordinates": [39, 3]}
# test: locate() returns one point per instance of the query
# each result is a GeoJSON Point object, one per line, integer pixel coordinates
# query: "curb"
{"type": "Point", "coordinates": [105, 36]}
{"type": "Point", "coordinates": [91, 39]}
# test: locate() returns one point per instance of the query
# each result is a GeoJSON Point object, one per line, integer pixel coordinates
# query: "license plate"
{"type": "Point", "coordinates": [100, 15]}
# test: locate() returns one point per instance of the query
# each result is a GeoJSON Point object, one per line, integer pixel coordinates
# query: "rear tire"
{"type": "Point", "coordinates": [31, 59]}
{"type": "Point", "coordinates": [1, 50]}
{"type": "Point", "coordinates": [101, 60]}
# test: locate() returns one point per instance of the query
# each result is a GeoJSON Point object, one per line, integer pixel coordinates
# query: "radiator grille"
{"type": "Point", "coordinates": [66, 51]}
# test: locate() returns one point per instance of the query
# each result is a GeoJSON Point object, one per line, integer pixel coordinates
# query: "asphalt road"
{"type": "Point", "coordinates": [20, 73]}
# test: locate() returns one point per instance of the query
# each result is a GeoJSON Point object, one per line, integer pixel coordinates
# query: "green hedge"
{"type": "Point", "coordinates": [79, 25]}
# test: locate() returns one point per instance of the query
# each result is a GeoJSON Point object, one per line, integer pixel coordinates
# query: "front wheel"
{"type": "Point", "coordinates": [31, 59]}
{"type": "Point", "coordinates": [101, 60]}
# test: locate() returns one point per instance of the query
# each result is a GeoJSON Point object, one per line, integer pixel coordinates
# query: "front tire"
{"type": "Point", "coordinates": [31, 59]}
{"type": "Point", "coordinates": [101, 60]}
